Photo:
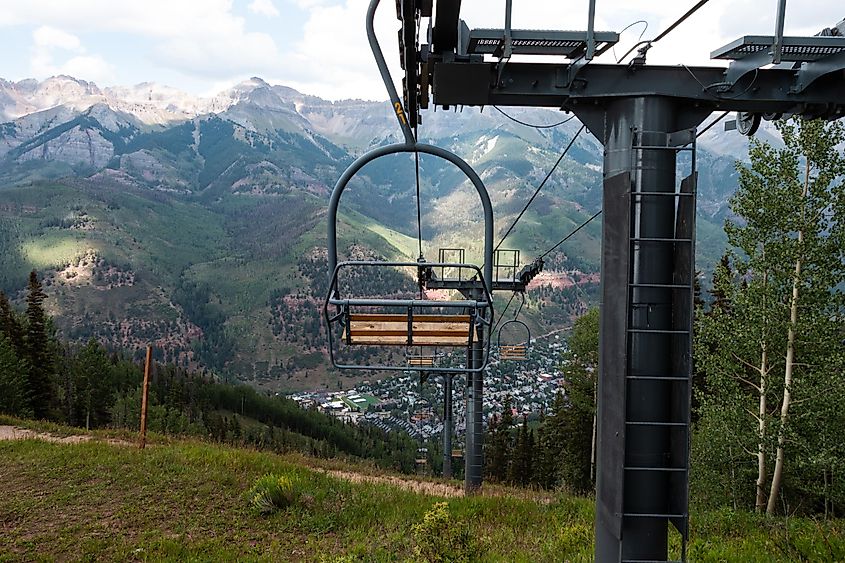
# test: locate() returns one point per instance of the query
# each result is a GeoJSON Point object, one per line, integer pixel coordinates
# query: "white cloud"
{"type": "Point", "coordinates": [47, 37]}
{"type": "Point", "coordinates": [50, 43]}
{"type": "Point", "coordinates": [90, 67]}
{"type": "Point", "coordinates": [199, 38]}
{"type": "Point", "coordinates": [308, 4]}
{"type": "Point", "coordinates": [264, 8]}
{"type": "Point", "coordinates": [333, 59]}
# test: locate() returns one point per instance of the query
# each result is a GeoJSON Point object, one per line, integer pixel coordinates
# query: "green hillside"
{"type": "Point", "coordinates": [199, 280]}
{"type": "Point", "coordinates": [186, 500]}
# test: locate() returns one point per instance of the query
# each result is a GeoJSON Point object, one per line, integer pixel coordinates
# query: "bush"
{"type": "Point", "coordinates": [439, 539]}
{"type": "Point", "coordinates": [271, 493]}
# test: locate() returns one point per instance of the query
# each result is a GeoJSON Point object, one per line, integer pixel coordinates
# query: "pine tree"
{"type": "Point", "coordinates": [38, 350]}
{"type": "Point", "coordinates": [500, 444]}
{"type": "Point", "coordinates": [576, 423]}
{"type": "Point", "coordinates": [90, 373]}
{"type": "Point", "coordinates": [523, 456]}
{"type": "Point", "coordinates": [11, 326]}
{"type": "Point", "coordinates": [14, 391]}
{"type": "Point", "coordinates": [546, 455]}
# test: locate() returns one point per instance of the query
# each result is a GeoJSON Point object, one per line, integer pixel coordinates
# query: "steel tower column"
{"type": "Point", "coordinates": [447, 426]}
{"type": "Point", "coordinates": [636, 340]}
{"type": "Point", "coordinates": [473, 454]}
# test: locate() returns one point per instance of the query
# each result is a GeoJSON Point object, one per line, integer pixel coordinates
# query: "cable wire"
{"type": "Point", "coordinates": [666, 31]}
{"type": "Point", "coordinates": [502, 316]}
{"type": "Point", "coordinates": [540, 187]}
{"type": "Point", "coordinates": [680, 20]}
{"type": "Point", "coordinates": [419, 213]}
{"type": "Point", "coordinates": [515, 120]}
{"type": "Point", "coordinates": [714, 122]}
{"type": "Point", "coordinates": [626, 28]}
{"type": "Point", "coordinates": [567, 237]}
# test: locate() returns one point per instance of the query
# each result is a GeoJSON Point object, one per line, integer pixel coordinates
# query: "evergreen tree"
{"type": "Point", "coordinates": [523, 457]}
{"type": "Point", "coordinates": [500, 444]}
{"type": "Point", "coordinates": [546, 457]}
{"type": "Point", "coordinates": [39, 354]}
{"type": "Point", "coordinates": [576, 422]}
{"type": "Point", "coordinates": [90, 373]}
{"type": "Point", "coordinates": [10, 325]}
{"type": "Point", "coordinates": [14, 392]}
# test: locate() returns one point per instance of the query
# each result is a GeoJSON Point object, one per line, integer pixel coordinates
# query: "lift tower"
{"type": "Point", "coordinates": [644, 115]}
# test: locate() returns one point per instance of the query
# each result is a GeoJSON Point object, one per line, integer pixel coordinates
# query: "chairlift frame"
{"type": "Point", "coordinates": [514, 352]}
{"type": "Point", "coordinates": [478, 300]}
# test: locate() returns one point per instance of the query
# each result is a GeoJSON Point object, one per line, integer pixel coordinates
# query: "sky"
{"type": "Point", "coordinates": [319, 46]}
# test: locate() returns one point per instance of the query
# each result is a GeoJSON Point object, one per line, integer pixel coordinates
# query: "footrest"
{"type": "Point", "coordinates": [426, 361]}
{"type": "Point", "coordinates": [794, 49]}
{"type": "Point", "coordinates": [569, 44]}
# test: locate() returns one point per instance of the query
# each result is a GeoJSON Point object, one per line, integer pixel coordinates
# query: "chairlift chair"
{"type": "Point", "coordinates": [417, 322]}
{"type": "Point", "coordinates": [516, 349]}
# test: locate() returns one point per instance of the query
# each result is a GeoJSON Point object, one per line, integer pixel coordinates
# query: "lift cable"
{"type": "Point", "coordinates": [417, 178]}
{"type": "Point", "coordinates": [567, 237]}
{"type": "Point", "coordinates": [540, 187]}
{"type": "Point", "coordinates": [550, 126]}
{"type": "Point", "coordinates": [597, 213]}
{"type": "Point", "coordinates": [680, 20]}
{"type": "Point", "coordinates": [647, 44]}
{"type": "Point", "coordinates": [714, 122]}
{"type": "Point", "coordinates": [502, 315]}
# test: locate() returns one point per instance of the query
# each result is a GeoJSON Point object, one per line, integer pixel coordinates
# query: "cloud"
{"type": "Point", "coordinates": [47, 37]}
{"type": "Point", "coordinates": [198, 38]}
{"type": "Point", "coordinates": [263, 8]}
{"type": "Point", "coordinates": [49, 43]}
{"type": "Point", "coordinates": [333, 59]}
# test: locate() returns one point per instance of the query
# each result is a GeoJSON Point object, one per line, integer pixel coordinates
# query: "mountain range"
{"type": "Point", "coordinates": [198, 224]}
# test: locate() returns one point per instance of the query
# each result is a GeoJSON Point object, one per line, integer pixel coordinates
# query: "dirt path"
{"type": "Point", "coordinates": [424, 487]}
{"type": "Point", "coordinates": [17, 433]}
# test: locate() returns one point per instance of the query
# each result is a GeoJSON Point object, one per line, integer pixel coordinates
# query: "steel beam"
{"type": "Point", "coordinates": [547, 85]}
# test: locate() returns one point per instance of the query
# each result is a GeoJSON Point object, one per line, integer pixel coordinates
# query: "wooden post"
{"type": "Point", "coordinates": [144, 397]}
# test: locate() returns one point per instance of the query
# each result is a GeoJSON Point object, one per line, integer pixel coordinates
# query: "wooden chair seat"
{"type": "Point", "coordinates": [513, 352]}
{"type": "Point", "coordinates": [396, 330]}
{"type": "Point", "coordinates": [423, 361]}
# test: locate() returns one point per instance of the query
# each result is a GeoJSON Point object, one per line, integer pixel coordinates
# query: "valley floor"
{"type": "Point", "coordinates": [91, 499]}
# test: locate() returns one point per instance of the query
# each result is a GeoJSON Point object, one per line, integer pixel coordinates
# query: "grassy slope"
{"type": "Point", "coordinates": [185, 500]}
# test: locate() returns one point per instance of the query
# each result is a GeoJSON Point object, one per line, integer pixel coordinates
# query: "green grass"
{"type": "Point", "coordinates": [181, 500]}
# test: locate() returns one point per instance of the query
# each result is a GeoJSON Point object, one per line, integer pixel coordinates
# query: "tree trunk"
{"type": "Point", "coordinates": [760, 503]}
{"type": "Point", "coordinates": [777, 477]}
{"type": "Point", "coordinates": [787, 393]}
{"type": "Point", "coordinates": [595, 425]}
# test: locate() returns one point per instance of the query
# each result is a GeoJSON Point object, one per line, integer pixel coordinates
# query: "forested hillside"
{"type": "Point", "coordinates": [86, 386]}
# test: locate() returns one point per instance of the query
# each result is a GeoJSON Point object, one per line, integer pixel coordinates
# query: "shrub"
{"type": "Point", "coordinates": [439, 539]}
{"type": "Point", "coordinates": [271, 493]}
